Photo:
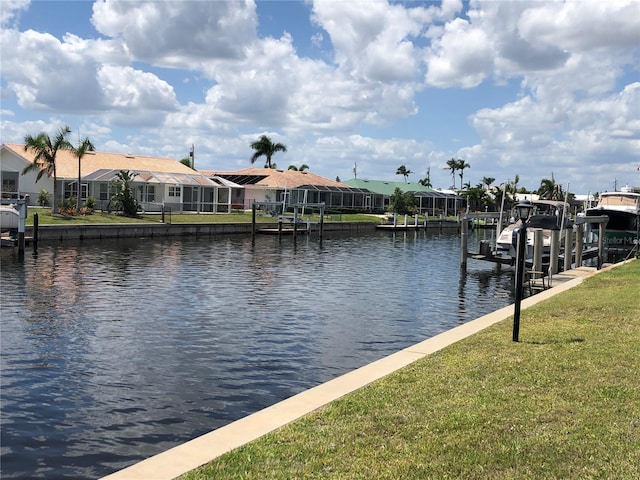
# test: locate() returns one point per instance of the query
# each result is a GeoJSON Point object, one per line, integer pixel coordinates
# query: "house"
{"type": "Point", "coordinates": [288, 187]}
{"type": "Point", "coordinates": [430, 201]}
{"type": "Point", "coordinates": [159, 182]}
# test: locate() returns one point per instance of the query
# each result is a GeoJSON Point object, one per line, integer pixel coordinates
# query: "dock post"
{"type": "Point", "coordinates": [568, 249]}
{"type": "Point", "coordinates": [554, 254]}
{"type": "Point", "coordinates": [395, 220]}
{"type": "Point", "coordinates": [321, 222]}
{"type": "Point", "coordinates": [280, 228]}
{"type": "Point", "coordinates": [295, 224]}
{"type": "Point", "coordinates": [405, 219]}
{"type": "Point", "coordinates": [601, 232]}
{"type": "Point", "coordinates": [579, 244]}
{"type": "Point", "coordinates": [463, 246]}
{"type": "Point", "coordinates": [22, 219]}
{"type": "Point", "coordinates": [36, 223]}
{"type": "Point", "coordinates": [253, 221]}
{"type": "Point", "coordinates": [416, 222]}
{"type": "Point", "coordinates": [537, 249]}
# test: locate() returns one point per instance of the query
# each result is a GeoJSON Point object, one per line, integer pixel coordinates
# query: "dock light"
{"type": "Point", "coordinates": [524, 210]}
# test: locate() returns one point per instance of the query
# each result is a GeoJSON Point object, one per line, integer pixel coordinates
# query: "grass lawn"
{"type": "Point", "coordinates": [564, 403]}
{"type": "Point", "coordinates": [46, 218]}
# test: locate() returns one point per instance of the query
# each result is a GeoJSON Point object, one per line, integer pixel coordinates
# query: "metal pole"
{"type": "Point", "coordinates": [522, 241]}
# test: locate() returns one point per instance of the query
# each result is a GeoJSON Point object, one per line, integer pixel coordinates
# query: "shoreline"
{"type": "Point", "coordinates": [61, 233]}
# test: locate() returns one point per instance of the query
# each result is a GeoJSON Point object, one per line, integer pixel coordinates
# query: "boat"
{"type": "Point", "coordinates": [623, 209]}
{"type": "Point", "coordinates": [548, 215]}
{"type": "Point", "coordinates": [9, 218]}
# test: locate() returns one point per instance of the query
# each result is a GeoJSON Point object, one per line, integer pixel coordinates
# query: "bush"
{"type": "Point", "coordinates": [43, 198]}
{"type": "Point", "coordinates": [68, 206]}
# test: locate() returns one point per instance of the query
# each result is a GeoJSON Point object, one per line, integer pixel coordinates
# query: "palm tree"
{"type": "Point", "coordinates": [426, 181]}
{"type": "Point", "coordinates": [264, 146]}
{"type": "Point", "coordinates": [549, 189]}
{"type": "Point", "coordinates": [453, 166]}
{"type": "Point", "coordinates": [125, 198]}
{"type": "Point", "coordinates": [402, 170]}
{"type": "Point", "coordinates": [83, 147]}
{"type": "Point", "coordinates": [45, 156]}
{"type": "Point", "coordinates": [461, 165]}
{"type": "Point", "coordinates": [302, 167]}
{"type": "Point", "coordinates": [488, 181]}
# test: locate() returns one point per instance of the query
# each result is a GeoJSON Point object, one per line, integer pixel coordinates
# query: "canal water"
{"type": "Point", "coordinates": [113, 351]}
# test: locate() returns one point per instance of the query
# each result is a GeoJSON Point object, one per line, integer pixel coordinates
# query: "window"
{"type": "Point", "coordinates": [71, 189]}
{"type": "Point", "coordinates": [9, 185]}
{"type": "Point", "coordinates": [175, 190]}
{"type": "Point", "coordinates": [147, 193]}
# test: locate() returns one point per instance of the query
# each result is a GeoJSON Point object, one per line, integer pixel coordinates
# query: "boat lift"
{"type": "Point", "coordinates": [287, 224]}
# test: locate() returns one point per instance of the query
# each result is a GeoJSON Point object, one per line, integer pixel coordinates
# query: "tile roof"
{"type": "Point", "coordinates": [67, 163]}
{"type": "Point", "coordinates": [274, 178]}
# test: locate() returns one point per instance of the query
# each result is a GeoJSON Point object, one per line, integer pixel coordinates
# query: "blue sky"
{"type": "Point", "coordinates": [517, 89]}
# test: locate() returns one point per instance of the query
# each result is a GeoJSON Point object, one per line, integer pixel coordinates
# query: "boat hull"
{"type": "Point", "coordinates": [9, 218]}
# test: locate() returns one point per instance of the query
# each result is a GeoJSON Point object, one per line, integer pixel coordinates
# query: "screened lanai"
{"type": "Point", "coordinates": [179, 192]}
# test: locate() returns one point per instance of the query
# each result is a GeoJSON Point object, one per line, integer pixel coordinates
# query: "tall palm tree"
{"type": "Point", "coordinates": [264, 146]}
{"type": "Point", "coordinates": [461, 165]}
{"type": "Point", "coordinates": [45, 156]}
{"type": "Point", "coordinates": [426, 181]}
{"type": "Point", "coordinates": [453, 166]}
{"type": "Point", "coordinates": [402, 170]}
{"type": "Point", "coordinates": [83, 147]}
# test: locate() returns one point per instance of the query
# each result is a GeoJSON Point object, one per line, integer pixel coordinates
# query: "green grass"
{"type": "Point", "coordinates": [563, 403]}
{"type": "Point", "coordinates": [46, 218]}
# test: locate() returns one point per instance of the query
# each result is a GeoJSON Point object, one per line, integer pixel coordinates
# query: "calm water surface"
{"type": "Point", "coordinates": [113, 351]}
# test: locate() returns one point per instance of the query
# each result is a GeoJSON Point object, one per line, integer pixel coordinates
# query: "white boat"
{"type": "Point", "coordinates": [9, 217]}
{"type": "Point", "coordinates": [548, 215]}
{"type": "Point", "coordinates": [623, 210]}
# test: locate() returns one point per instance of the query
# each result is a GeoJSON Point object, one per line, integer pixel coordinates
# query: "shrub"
{"type": "Point", "coordinates": [43, 198]}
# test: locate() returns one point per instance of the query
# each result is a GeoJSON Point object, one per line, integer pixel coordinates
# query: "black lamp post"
{"type": "Point", "coordinates": [524, 209]}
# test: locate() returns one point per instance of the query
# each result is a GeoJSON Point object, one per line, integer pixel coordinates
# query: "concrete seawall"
{"type": "Point", "coordinates": [61, 233]}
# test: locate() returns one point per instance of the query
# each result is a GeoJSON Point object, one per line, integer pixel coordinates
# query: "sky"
{"type": "Point", "coordinates": [522, 90]}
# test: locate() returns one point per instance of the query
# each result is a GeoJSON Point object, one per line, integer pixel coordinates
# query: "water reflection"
{"type": "Point", "coordinates": [116, 350]}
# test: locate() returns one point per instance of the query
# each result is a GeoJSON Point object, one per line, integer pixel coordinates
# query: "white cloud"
{"type": "Point", "coordinates": [75, 76]}
{"type": "Point", "coordinates": [461, 57]}
{"type": "Point", "coordinates": [11, 9]}
{"type": "Point", "coordinates": [179, 34]}
{"type": "Point", "coordinates": [136, 97]}
{"type": "Point", "coordinates": [372, 39]}
{"type": "Point", "coordinates": [584, 25]}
